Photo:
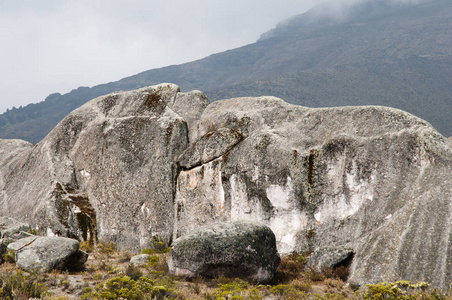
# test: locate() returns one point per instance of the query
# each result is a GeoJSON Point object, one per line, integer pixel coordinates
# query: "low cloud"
{"type": "Point", "coordinates": [346, 9]}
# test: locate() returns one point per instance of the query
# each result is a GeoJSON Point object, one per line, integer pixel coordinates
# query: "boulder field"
{"type": "Point", "coordinates": [155, 164]}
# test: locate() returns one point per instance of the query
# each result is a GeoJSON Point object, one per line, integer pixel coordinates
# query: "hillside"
{"type": "Point", "coordinates": [376, 53]}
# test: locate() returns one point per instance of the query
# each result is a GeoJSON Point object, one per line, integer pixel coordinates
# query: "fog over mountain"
{"type": "Point", "coordinates": [392, 53]}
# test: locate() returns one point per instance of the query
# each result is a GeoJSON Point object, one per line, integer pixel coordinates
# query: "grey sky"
{"type": "Point", "coordinates": [54, 46]}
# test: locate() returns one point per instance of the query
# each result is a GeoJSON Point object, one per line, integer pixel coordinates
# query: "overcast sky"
{"type": "Point", "coordinates": [52, 46]}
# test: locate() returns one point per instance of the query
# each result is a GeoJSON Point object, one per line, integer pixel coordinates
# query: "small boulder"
{"type": "Point", "coordinates": [140, 259]}
{"type": "Point", "coordinates": [12, 229]}
{"type": "Point", "coordinates": [47, 253]}
{"type": "Point", "coordinates": [329, 257]}
{"type": "Point", "coordinates": [241, 249]}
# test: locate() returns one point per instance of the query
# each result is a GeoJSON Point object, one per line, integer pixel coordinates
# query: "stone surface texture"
{"type": "Point", "coordinates": [329, 257]}
{"type": "Point", "coordinates": [241, 249]}
{"type": "Point", "coordinates": [132, 166]}
{"type": "Point", "coordinates": [45, 254]}
{"type": "Point", "coordinates": [140, 259]}
{"type": "Point", "coordinates": [375, 180]}
{"type": "Point", "coordinates": [10, 228]}
{"type": "Point", "coordinates": [106, 171]}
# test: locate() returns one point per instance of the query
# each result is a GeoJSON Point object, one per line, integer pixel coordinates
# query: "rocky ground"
{"type": "Point", "coordinates": [106, 267]}
{"type": "Point", "coordinates": [108, 274]}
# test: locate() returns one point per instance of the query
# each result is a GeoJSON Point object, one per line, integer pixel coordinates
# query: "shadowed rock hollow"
{"type": "Point", "coordinates": [156, 164]}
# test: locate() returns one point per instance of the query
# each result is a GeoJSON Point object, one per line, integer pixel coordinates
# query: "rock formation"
{"type": "Point", "coordinates": [241, 249]}
{"type": "Point", "coordinates": [140, 259]}
{"type": "Point", "coordinates": [155, 164]}
{"type": "Point", "coordinates": [44, 254]}
{"type": "Point", "coordinates": [11, 230]}
{"type": "Point", "coordinates": [105, 170]}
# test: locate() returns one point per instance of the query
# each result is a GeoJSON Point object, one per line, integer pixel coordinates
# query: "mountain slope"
{"type": "Point", "coordinates": [371, 53]}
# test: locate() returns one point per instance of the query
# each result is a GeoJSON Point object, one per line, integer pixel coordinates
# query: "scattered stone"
{"type": "Point", "coordinates": [11, 228]}
{"type": "Point", "coordinates": [241, 249]}
{"type": "Point", "coordinates": [140, 259]}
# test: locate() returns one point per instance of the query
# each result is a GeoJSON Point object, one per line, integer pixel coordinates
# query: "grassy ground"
{"type": "Point", "coordinates": [108, 275]}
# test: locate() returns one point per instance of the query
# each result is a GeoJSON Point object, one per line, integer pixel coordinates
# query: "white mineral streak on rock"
{"type": "Point", "coordinates": [240, 206]}
{"type": "Point", "coordinates": [85, 173]}
{"type": "Point", "coordinates": [290, 221]}
{"type": "Point", "coordinates": [339, 205]}
{"type": "Point", "coordinates": [200, 197]}
{"type": "Point", "coordinates": [280, 195]}
{"type": "Point", "coordinates": [286, 227]}
{"type": "Point", "coordinates": [145, 210]}
{"type": "Point", "coordinates": [50, 232]}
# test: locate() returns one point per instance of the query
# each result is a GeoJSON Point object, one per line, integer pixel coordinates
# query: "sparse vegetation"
{"type": "Point", "coordinates": [109, 275]}
{"type": "Point", "coordinates": [20, 285]}
{"type": "Point", "coordinates": [10, 256]}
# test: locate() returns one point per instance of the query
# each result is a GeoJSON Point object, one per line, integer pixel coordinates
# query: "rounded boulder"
{"type": "Point", "coordinates": [241, 249]}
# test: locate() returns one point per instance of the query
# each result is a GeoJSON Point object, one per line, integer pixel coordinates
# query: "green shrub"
{"type": "Point", "coordinates": [87, 246]}
{"type": "Point", "coordinates": [33, 231]}
{"type": "Point", "coordinates": [396, 290]}
{"type": "Point", "coordinates": [133, 272]}
{"type": "Point", "coordinates": [148, 251]}
{"type": "Point", "coordinates": [237, 289]}
{"type": "Point", "coordinates": [158, 244]}
{"type": "Point", "coordinates": [157, 263]}
{"type": "Point", "coordinates": [10, 256]}
{"type": "Point", "coordinates": [124, 287]}
{"type": "Point", "coordinates": [328, 296]}
{"type": "Point", "coordinates": [288, 292]}
{"type": "Point", "coordinates": [20, 286]}
{"type": "Point", "coordinates": [106, 247]}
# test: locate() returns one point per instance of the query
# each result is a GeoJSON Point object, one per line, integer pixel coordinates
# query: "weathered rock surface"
{"type": "Point", "coordinates": [329, 257]}
{"type": "Point", "coordinates": [210, 146]}
{"type": "Point", "coordinates": [11, 228]}
{"type": "Point", "coordinates": [106, 171]}
{"type": "Point", "coordinates": [132, 166]}
{"type": "Point", "coordinates": [140, 259]}
{"type": "Point", "coordinates": [374, 180]}
{"type": "Point", "coordinates": [47, 253]}
{"type": "Point", "coordinates": [22, 243]}
{"type": "Point", "coordinates": [233, 249]}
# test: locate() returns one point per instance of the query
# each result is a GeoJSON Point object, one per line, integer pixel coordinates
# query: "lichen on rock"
{"type": "Point", "coordinates": [155, 162]}
{"type": "Point", "coordinates": [241, 249]}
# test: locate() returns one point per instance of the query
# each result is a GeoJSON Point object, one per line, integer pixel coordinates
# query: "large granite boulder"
{"type": "Point", "coordinates": [373, 180]}
{"type": "Point", "coordinates": [45, 254]}
{"type": "Point", "coordinates": [241, 249]}
{"type": "Point", "coordinates": [155, 164]}
{"type": "Point", "coordinates": [106, 171]}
